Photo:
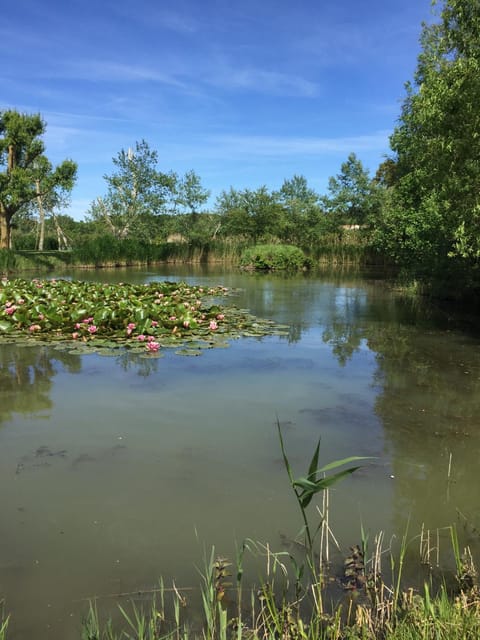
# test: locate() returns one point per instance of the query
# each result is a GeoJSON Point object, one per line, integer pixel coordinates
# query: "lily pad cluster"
{"type": "Point", "coordinates": [103, 317]}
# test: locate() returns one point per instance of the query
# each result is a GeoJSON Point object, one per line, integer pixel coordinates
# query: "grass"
{"type": "Point", "coordinates": [279, 607]}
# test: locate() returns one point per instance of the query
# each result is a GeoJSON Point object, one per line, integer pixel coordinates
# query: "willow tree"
{"type": "Point", "coordinates": [26, 174]}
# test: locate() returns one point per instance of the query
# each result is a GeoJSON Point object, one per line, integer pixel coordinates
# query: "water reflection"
{"type": "Point", "coordinates": [26, 377]}
{"type": "Point", "coordinates": [142, 451]}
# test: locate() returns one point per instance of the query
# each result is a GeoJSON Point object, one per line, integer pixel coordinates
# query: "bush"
{"type": "Point", "coordinates": [268, 257]}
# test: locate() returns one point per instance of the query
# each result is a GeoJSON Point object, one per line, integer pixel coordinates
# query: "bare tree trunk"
{"type": "Point", "coordinates": [63, 242]}
{"type": "Point", "coordinates": [5, 241]}
{"type": "Point", "coordinates": [217, 229]}
{"type": "Point", "coordinates": [41, 218]}
{"type": "Point", "coordinates": [5, 235]}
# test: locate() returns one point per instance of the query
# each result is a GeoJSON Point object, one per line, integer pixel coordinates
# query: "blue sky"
{"type": "Point", "coordinates": [244, 92]}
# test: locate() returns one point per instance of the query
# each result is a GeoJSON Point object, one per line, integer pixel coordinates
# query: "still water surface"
{"type": "Point", "coordinates": [114, 471]}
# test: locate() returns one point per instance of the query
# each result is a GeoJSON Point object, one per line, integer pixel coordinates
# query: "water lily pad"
{"type": "Point", "coordinates": [108, 352]}
{"type": "Point", "coordinates": [189, 352]}
{"type": "Point", "coordinates": [108, 318]}
{"type": "Point", "coordinates": [220, 345]}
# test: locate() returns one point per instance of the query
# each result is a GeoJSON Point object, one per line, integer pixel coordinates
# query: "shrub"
{"type": "Point", "coordinates": [274, 257]}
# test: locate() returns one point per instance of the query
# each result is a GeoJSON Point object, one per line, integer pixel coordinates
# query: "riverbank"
{"type": "Point", "coordinates": [293, 600]}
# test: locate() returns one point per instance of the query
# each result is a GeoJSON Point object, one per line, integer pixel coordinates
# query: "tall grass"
{"type": "Point", "coordinates": [7, 261]}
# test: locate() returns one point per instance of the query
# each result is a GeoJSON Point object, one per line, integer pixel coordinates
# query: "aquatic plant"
{"type": "Point", "coordinates": [313, 482]}
{"type": "Point", "coordinates": [105, 316]}
{"type": "Point", "coordinates": [276, 257]}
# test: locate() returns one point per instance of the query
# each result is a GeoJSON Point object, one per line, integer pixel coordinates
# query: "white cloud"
{"type": "Point", "coordinates": [280, 145]}
{"type": "Point", "coordinates": [259, 80]}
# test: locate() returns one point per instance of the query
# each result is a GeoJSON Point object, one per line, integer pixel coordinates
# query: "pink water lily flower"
{"type": "Point", "coordinates": [154, 323]}
{"type": "Point", "coordinates": [75, 335]}
{"type": "Point", "coordinates": [152, 346]}
{"type": "Point", "coordinates": [92, 329]}
{"type": "Point", "coordinates": [141, 337]}
{"type": "Point", "coordinates": [220, 316]}
{"type": "Point", "coordinates": [34, 327]}
{"type": "Point", "coordinates": [213, 325]}
{"type": "Point", "coordinates": [10, 310]}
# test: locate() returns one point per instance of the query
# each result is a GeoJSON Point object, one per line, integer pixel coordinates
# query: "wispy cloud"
{"type": "Point", "coordinates": [279, 146]}
{"type": "Point", "coordinates": [263, 81]}
{"type": "Point", "coordinates": [109, 71]}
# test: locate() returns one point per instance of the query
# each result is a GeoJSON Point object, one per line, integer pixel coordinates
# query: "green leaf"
{"type": "Point", "coordinates": [312, 469]}
{"type": "Point", "coordinates": [325, 483]}
{"type": "Point", "coordinates": [338, 463]}
{"type": "Point", "coordinates": [5, 326]}
{"type": "Point", "coordinates": [305, 483]}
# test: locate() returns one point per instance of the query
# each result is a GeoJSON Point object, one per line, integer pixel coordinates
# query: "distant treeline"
{"type": "Point", "coordinates": [419, 213]}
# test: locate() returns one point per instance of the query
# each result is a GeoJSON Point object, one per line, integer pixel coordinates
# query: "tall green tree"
{"type": "Point", "coordinates": [434, 221]}
{"type": "Point", "coordinates": [249, 214]}
{"type": "Point", "coordinates": [137, 191]}
{"type": "Point", "coordinates": [191, 196]}
{"type": "Point", "coordinates": [26, 174]}
{"type": "Point", "coordinates": [301, 210]}
{"type": "Point", "coordinates": [351, 198]}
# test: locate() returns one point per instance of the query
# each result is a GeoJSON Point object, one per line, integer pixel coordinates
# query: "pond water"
{"type": "Point", "coordinates": [117, 470]}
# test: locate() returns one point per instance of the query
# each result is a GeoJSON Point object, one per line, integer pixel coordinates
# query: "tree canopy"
{"type": "Point", "coordinates": [26, 174]}
{"type": "Point", "coordinates": [137, 190]}
{"type": "Point", "coordinates": [433, 221]}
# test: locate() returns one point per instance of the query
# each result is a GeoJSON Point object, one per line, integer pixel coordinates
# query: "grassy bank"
{"type": "Point", "coordinates": [110, 252]}
{"type": "Point", "coordinates": [284, 606]}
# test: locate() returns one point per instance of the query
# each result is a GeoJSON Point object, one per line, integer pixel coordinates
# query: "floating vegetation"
{"type": "Point", "coordinates": [90, 317]}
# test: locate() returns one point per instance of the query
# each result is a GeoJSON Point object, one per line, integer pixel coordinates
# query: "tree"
{"type": "Point", "coordinates": [191, 196]}
{"type": "Point", "coordinates": [26, 174]}
{"type": "Point", "coordinates": [301, 210]}
{"type": "Point", "coordinates": [136, 192]}
{"type": "Point", "coordinates": [254, 215]}
{"type": "Point", "coordinates": [436, 208]}
{"type": "Point", "coordinates": [351, 199]}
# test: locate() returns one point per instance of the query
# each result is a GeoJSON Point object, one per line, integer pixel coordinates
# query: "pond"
{"type": "Point", "coordinates": [115, 471]}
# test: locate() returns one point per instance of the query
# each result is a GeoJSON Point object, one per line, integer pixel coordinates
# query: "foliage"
{"type": "Point", "coordinates": [190, 195]}
{"type": "Point", "coordinates": [107, 316]}
{"type": "Point", "coordinates": [352, 195]}
{"type": "Point", "coordinates": [7, 260]}
{"type": "Point", "coordinates": [301, 212]}
{"type": "Point", "coordinates": [137, 191]}
{"type": "Point", "coordinates": [432, 224]}
{"type": "Point", "coordinates": [313, 482]}
{"type": "Point", "coordinates": [274, 257]}
{"type": "Point", "coordinates": [27, 173]}
{"type": "Point", "coordinates": [254, 215]}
